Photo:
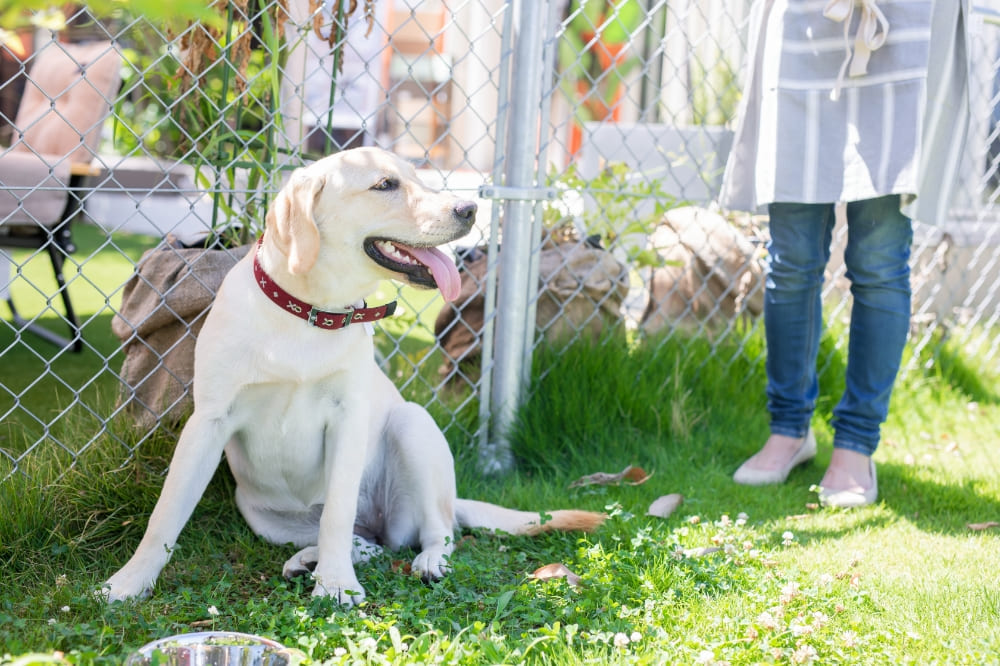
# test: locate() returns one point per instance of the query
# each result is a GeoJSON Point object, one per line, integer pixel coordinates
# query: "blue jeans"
{"type": "Point", "coordinates": [877, 259]}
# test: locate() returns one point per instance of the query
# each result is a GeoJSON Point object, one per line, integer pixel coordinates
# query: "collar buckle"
{"type": "Point", "coordinates": [328, 320]}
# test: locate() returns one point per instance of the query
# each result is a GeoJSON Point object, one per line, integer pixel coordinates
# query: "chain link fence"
{"type": "Point", "coordinates": [593, 133]}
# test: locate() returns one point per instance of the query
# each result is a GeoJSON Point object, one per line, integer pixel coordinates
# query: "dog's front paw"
{"type": "Point", "coordinates": [123, 587]}
{"type": "Point", "coordinates": [431, 564]}
{"type": "Point", "coordinates": [349, 593]}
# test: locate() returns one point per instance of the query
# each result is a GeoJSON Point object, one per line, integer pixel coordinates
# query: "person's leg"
{"type": "Point", "coordinates": [877, 259]}
{"type": "Point", "coordinates": [793, 317]}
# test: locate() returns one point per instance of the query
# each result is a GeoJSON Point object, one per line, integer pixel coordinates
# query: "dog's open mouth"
{"type": "Point", "coordinates": [423, 266]}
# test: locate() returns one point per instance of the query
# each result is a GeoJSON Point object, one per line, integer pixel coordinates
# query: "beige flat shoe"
{"type": "Point", "coordinates": [846, 499]}
{"type": "Point", "coordinates": [749, 476]}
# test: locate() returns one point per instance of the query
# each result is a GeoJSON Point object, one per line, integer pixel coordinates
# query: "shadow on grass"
{"type": "Point", "coordinates": [939, 506]}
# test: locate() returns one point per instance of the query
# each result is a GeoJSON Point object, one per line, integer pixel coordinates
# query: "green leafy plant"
{"type": "Point", "coordinates": [19, 13]}
{"type": "Point", "coordinates": [614, 206]}
{"type": "Point", "coordinates": [715, 92]}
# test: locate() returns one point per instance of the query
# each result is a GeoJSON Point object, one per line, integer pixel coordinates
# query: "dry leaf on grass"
{"type": "Point", "coordinates": [634, 475]}
{"type": "Point", "coordinates": [401, 567]}
{"type": "Point", "coordinates": [465, 539]}
{"type": "Point", "coordinates": [978, 527]}
{"type": "Point", "coordinates": [663, 506]}
{"type": "Point", "coordinates": [556, 570]}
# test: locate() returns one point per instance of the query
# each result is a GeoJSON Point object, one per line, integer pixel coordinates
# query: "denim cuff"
{"type": "Point", "coordinates": [847, 444]}
{"type": "Point", "coordinates": [790, 431]}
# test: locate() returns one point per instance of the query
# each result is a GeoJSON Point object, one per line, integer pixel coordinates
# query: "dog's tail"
{"type": "Point", "coordinates": [472, 513]}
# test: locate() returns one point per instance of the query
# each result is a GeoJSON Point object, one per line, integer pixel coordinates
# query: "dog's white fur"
{"type": "Point", "coordinates": [326, 453]}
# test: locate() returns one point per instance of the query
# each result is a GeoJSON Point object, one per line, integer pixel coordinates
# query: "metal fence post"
{"type": "Point", "coordinates": [520, 190]}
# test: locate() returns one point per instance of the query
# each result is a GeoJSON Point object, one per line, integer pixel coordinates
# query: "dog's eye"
{"type": "Point", "coordinates": [386, 185]}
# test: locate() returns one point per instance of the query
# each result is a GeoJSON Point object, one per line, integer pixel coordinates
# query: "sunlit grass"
{"type": "Point", "coordinates": [736, 575]}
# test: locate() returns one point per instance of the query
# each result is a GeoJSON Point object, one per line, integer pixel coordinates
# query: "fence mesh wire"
{"type": "Point", "coordinates": [183, 141]}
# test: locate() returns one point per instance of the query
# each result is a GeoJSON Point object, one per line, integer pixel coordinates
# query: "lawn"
{"type": "Point", "coordinates": [736, 575]}
{"type": "Point", "coordinates": [42, 387]}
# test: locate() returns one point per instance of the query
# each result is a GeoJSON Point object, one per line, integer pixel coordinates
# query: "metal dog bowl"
{"type": "Point", "coordinates": [214, 648]}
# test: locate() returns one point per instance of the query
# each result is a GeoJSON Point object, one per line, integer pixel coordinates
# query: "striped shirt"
{"type": "Point", "coordinates": [811, 132]}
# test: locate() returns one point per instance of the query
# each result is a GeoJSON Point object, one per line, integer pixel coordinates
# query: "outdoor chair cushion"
{"type": "Point", "coordinates": [69, 90]}
{"type": "Point", "coordinates": [66, 99]}
{"type": "Point", "coordinates": [31, 190]}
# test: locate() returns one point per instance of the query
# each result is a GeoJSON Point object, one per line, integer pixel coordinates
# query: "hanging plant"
{"type": "Point", "coordinates": [230, 78]}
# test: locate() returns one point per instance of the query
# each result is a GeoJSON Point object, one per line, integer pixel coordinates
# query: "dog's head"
{"type": "Point", "coordinates": [364, 213]}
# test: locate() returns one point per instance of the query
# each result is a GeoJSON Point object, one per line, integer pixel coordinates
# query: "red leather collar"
{"type": "Point", "coordinates": [323, 319]}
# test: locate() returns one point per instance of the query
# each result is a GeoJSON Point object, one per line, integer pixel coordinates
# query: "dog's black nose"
{"type": "Point", "coordinates": [466, 210]}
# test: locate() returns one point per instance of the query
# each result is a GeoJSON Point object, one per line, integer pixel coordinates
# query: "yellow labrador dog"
{"type": "Point", "coordinates": [326, 453]}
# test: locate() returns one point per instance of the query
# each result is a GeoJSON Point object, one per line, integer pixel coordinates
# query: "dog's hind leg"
{"type": "Point", "coordinates": [304, 561]}
{"type": "Point", "coordinates": [301, 563]}
{"type": "Point", "coordinates": [419, 489]}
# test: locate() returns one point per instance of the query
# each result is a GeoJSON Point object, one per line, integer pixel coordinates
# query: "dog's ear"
{"type": "Point", "coordinates": [290, 222]}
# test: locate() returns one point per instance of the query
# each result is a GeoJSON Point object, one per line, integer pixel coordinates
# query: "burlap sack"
{"type": "Point", "coordinates": [581, 292]}
{"type": "Point", "coordinates": [163, 308]}
{"type": "Point", "coordinates": [712, 274]}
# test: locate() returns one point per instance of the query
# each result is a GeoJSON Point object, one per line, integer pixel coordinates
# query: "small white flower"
{"type": "Point", "coordinates": [767, 621]}
{"type": "Point", "coordinates": [52, 620]}
{"type": "Point", "coordinates": [635, 637]}
{"type": "Point", "coordinates": [339, 652]}
{"type": "Point", "coordinates": [621, 640]}
{"type": "Point", "coordinates": [800, 629]}
{"type": "Point", "coordinates": [803, 654]}
{"type": "Point", "coordinates": [65, 609]}
{"type": "Point", "coordinates": [213, 611]}
{"type": "Point", "coordinates": [368, 644]}
{"type": "Point", "coordinates": [789, 592]}
{"type": "Point", "coordinates": [705, 657]}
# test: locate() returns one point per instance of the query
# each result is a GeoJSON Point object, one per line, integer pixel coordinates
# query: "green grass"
{"type": "Point", "coordinates": [904, 581]}
{"type": "Point", "coordinates": [42, 387]}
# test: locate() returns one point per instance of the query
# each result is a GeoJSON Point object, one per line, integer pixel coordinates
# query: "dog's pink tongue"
{"type": "Point", "coordinates": [442, 268]}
